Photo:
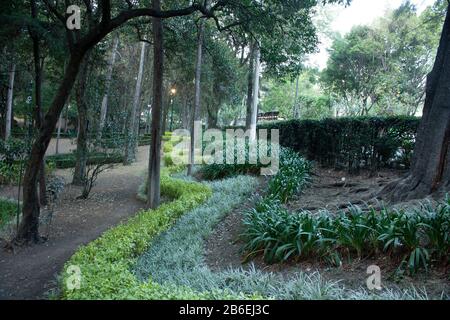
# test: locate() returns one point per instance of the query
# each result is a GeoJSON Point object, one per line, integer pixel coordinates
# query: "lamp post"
{"type": "Point", "coordinates": [173, 91]}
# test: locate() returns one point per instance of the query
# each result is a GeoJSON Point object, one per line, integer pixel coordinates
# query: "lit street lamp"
{"type": "Point", "coordinates": [173, 91]}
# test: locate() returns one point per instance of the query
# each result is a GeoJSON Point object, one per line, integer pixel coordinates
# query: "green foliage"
{"type": "Point", "coordinates": [416, 235]}
{"type": "Point", "coordinates": [10, 173]}
{"type": "Point", "coordinates": [176, 259]}
{"type": "Point", "coordinates": [292, 175]}
{"type": "Point", "coordinates": [380, 69]}
{"type": "Point", "coordinates": [8, 209]}
{"type": "Point", "coordinates": [68, 160]}
{"type": "Point", "coordinates": [312, 102]}
{"type": "Point", "coordinates": [105, 263]}
{"type": "Point", "coordinates": [351, 143]}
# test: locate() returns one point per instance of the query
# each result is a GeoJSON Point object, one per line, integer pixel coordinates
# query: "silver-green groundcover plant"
{"type": "Point", "coordinates": [176, 258]}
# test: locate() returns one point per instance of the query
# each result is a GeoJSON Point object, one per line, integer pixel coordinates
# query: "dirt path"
{"type": "Point", "coordinates": [31, 272]}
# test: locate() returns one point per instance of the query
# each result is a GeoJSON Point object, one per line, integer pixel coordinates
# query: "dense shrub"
{"type": "Point", "coordinates": [216, 171]}
{"type": "Point", "coordinates": [10, 172]}
{"type": "Point", "coordinates": [145, 140]}
{"type": "Point", "coordinates": [292, 175]}
{"type": "Point", "coordinates": [351, 143]}
{"type": "Point", "coordinates": [416, 235]}
{"type": "Point", "coordinates": [68, 160]}
{"type": "Point", "coordinates": [8, 209]}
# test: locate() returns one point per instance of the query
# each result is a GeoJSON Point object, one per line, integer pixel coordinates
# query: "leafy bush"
{"type": "Point", "coordinates": [8, 210]}
{"type": "Point", "coordinates": [216, 171]}
{"type": "Point", "coordinates": [68, 160]}
{"type": "Point", "coordinates": [416, 235]}
{"type": "Point", "coordinates": [13, 150]}
{"type": "Point", "coordinates": [145, 140]}
{"type": "Point", "coordinates": [291, 177]}
{"type": "Point", "coordinates": [9, 173]}
{"type": "Point", "coordinates": [351, 143]}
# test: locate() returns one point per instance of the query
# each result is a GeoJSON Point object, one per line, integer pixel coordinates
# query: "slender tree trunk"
{"type": "Point", "coordinates": [251, 72]}
{"type": "Point", "coordinates": [82, 138]}
{"type": "Point", "coordinates": [104, 108]}
{"type": "Point", "coordinates": [154, 168]}
{"type": "Point", "coordinates": [29, 226]}
{"type": "Point", "coordinates": [9, 102]}
{"type": "Point", "coordinates": [58, 135]}
{"type": "Point", "coordinates": [430, 170]}
{"type": "Point", "coordinates": [66, 121]}
{"type": "Point", "coordinates": [130, 147]}
{"type": "Point", "coordinates": [38, 97]}
{"type": "Point", "coordinates": [196, 112]}
{"type": "Point", "coordinates": [255, 94]}
{"type": "Point", "coordinates": [185, 114]}
{"type": "Point", "coordinates": [296, 111]}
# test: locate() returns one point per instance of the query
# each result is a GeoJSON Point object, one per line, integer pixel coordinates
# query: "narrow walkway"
{"type": "Point", "coordinates": [31, 272]}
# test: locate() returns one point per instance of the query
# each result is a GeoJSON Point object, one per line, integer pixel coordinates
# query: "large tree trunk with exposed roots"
{"type": "Point", "coordinates": [430, 170]}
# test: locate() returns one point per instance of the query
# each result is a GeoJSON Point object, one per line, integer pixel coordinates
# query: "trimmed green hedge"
{"type": "Point", "coordinates": [351, 143]}
{"type": "Point", "coordinates": [68, 160]}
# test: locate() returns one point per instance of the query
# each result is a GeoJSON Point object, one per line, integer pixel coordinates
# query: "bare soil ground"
{"type": "Point", "coordinates": [31, 272]}
{"type": "Point", "coordinates": [328, 190]}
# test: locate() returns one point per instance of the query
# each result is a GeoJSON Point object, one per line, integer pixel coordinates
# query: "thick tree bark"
{"type": "Point", "coordinates": [255, 93]}
{"type": "Point", "coordinates": [154, 167]}
{"type": "Point", "coordinates": [430, 170]}
{"type": "Point", "coordinates": [197, 96]}
{"type": "Point", "coordinates": [82, 137]}
{"type": "Point", "coordinates": [9, 102]}
{"type": "Point", "coordinates": [130, 147]}
{"type": "Point", "coordinates": [104, 107]}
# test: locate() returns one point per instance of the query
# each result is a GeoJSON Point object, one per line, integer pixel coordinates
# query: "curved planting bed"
{"type": "Point", "coordinates": [106, 263]}
{"type": "Point", "coordinates": [160, 254]}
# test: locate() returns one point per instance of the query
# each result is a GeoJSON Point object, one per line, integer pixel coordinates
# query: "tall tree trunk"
{"type": "Point", "coordinates": [296, 111]}
{"type": "Point", "coordinates": [154, 167]}
{"type": "Point", "coordinates": [104, 107]}
{"type": "Point", "coordinates": [255, 93]}
{"type": "Point", "coordinates": [251, 71]}
{"type": "Point", "coordinates": [29, 226]}
{"type": "Point", "coordinates": [185, 114]}
{"type": "Point", "coordinates": [9, 102]}
{"type": "Point", "coordinates": [430, 170]}
{"type": "Point", "coordinates": [212, 116]}
{"type": "Point", "coordinates": [130, 147]}
{"type": "Point", "coordinates": [66, 121]}
{"type": "Point", "coordinates": [38, 99]}
{"type": "Point", "coordinates": [197, 93]}
{"type": "Point", "coordinates": [58, 135]}
{"type": "Point", "coordinates": [82, 137]}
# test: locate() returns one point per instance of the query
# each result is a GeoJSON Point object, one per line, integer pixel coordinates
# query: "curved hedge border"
{"type": "Point", "coordinates": [106, 263]}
